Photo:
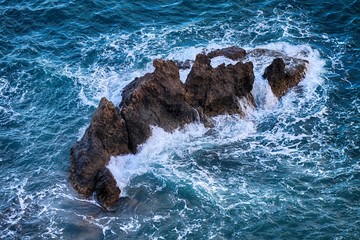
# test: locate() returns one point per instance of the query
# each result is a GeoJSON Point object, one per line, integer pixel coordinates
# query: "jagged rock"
{"type": "Point", "coordinates": [106, 136]}
{"type": "Point", "coordinates": [156, 99]}
{"type": "Point", "coordinates": [106, 189]}
{"type": "Point", "coordinates": [281, 78]}
{"type": "Point", "coordinates": [234, 53]}
{"type": "Point", "coordinates": [161, 99]}
{"type": "Point", "coordinates": [218, 90]}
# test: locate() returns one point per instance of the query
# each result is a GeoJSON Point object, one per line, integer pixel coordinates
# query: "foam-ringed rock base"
{"type": "Point", "coordinates": [161, 99]}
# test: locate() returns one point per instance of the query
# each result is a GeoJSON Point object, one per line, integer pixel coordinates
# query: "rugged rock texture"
{"type": "Point", "coordinates": [218, 90]}
{"type": "Point", "coordinates": [234, 53]}
{"type": "Point", "coordinates": [107, 192]}
{"type": "Point", "coordinates": [281, 78]}
{"type": "Point", "coordinates": [161, 99]}
{"type": "Point", "coordinates": [106, 136]}
{"type": "Point", "coordinates": [156, 99]}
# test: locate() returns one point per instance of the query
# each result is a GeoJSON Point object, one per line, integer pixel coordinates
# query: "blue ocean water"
{"type": "Point", "coordinates": [290, 169]}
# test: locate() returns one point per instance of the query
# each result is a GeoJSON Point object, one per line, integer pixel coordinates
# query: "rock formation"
{"type": "Point", "coordinates": [161, 99]}
{"type": "Point", "coordinates": [233, 53]}
{"type": "Point", "coordinates": [106, 136]}
{"type": "Point", "coordinates": [218, 90]}
{"type": "Point", "coordinates": [281, 78]}
{"type": "Point", "coordinates": [156, 99]}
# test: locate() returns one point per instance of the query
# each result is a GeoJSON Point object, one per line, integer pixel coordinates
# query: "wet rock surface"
{"type": "Point", "coordinates": [156, 99]}
{"type": "Point", "coordinates": [281, 78]}
{"type": "Point", "coordinates": [217, 90]}
{"type": "Point", "coordinates": [161, 99]}
{"type": "Point", "coordinates": [233, 53]}
{"type": "Point", "coordinates": [106, 136]}
{"type": "Point", "coordinates": [106, 190]}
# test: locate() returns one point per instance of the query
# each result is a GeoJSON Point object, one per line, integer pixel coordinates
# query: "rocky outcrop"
{"type": "Point", "coordinates": [106, 136]}
{"type": "Point", "coordinates": [233, 53]}
{"type": "Point", "coordinates": [218, 90]}
{"type": "Point", "coordinates": [281, 78]}
{"type": "Point", "coordinates": [156, 99]}
{"type": "Point", "coordinates": [161, 99]}
{"type": "Point", "coordinates": [106, 190]}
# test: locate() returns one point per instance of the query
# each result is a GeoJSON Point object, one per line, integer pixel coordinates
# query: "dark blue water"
{"type": "Point", "coordinates": [290, 169]}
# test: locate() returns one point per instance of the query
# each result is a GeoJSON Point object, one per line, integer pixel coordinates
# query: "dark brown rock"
{"type": "Point", "coordinates": [282, 77]}
{"type": "Point", "coordinates": [218, 90]}
{"type": "Point", "coordinates": [156, 99]}
{"type": "Point", "coordinates": [106, 136]}
{"type": "Point", "coordinates": [234, 53]}
{"type": "Point", "coordinates": [106, 190]}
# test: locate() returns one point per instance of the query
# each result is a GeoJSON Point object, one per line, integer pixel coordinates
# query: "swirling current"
{"type": "Point", "coordinates": [289, 170]}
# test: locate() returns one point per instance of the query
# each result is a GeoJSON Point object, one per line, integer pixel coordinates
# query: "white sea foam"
{"type": "Point", "coordinates": [130, 226]}
{"type": "Point", "coordinates": [84, 99]}
{"type": "Point", "coordinates": [161, 153]}
{"type": "Point", "coordinates": [154, 151]}
{"type": "Point", "coordinates": [4, 84]}
{"type": "Point", "coordinates": [157, 154]}
{"type": "Point", "coordinates": [216, 61]}
{"type": "Point", "coordinates": [99, 82]}
{"type": "Point", "coordinates": [23, 200]}
{"type": "Point", "coordinates": [184, 74]}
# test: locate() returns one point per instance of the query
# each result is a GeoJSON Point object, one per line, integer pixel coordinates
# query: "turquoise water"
{"type": "Point", "coordinates": [289, 170]}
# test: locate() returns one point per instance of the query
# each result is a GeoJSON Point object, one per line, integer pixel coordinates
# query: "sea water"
{"type": "Point", "coordinates": [289, 170]}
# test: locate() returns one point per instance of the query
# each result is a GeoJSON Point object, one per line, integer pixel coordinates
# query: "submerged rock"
{"type": "Point", "coordinates": [161, 99]}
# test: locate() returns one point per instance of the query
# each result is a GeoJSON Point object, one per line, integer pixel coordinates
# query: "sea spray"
{"type": "Point", "coordinates": [227, 129]}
